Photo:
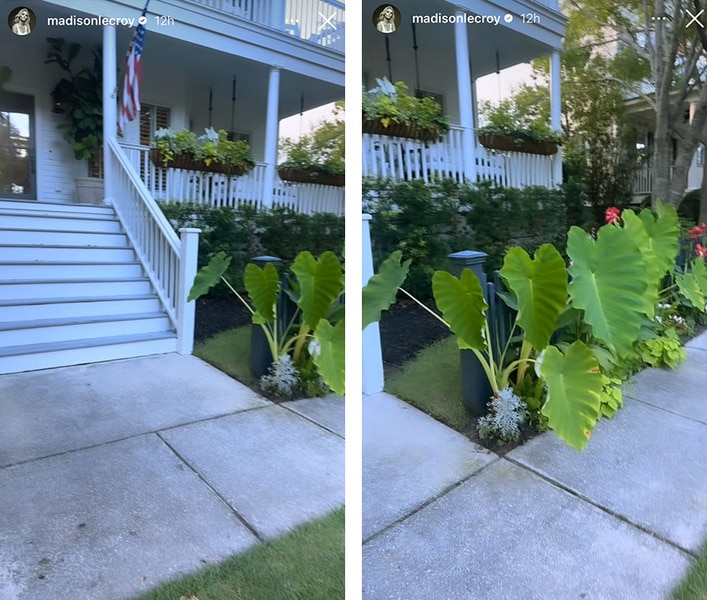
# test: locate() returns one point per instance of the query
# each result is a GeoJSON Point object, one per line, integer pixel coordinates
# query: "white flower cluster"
{"type": "Point", "coordinates": [507, 412]}
{"type": "Point", "coordinates": [283, 379]}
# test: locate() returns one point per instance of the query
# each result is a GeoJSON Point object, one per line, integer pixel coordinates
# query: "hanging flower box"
{"type": "Point", "coordinates": [189, 162]}
{"type": "Point", "coordinates": [305, 176]}
{"type": "Point", "coordinates": [402, 130]}
{"type": "Point", "coordinates": [507, 143]}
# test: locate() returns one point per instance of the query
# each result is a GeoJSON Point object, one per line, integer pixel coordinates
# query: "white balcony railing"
{"type": "Point", "coordinates": [320, 22]}
{"type": "Point", "coordinates": [405, 159]}
{"type": "Point", "coordinates": [181, 185]}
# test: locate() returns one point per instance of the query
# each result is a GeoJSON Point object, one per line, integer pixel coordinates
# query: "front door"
{"type": "Point", "coordinates": [17, 153]}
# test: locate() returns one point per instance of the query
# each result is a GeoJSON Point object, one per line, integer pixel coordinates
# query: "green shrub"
{"type": "Point", "coordinates": [244, 233]}
{"type": "Point", "coordinates": [427, 222]}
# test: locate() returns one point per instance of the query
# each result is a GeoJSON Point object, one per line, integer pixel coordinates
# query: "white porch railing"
{"type": "Point", "coordinates": [643, 180]}
{"type": "Point", "coordinates": [215, 189]}
{"type": "Point", "coordinates": [405, 159]}
{"type": "Point", "coordinates": [321, 22]}
{"type": "Point", "coordinates": [170, 264]}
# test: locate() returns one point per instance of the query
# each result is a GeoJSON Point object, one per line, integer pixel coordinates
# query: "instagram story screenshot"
{"type": "Point", "coordinates": [171, 299]}
{"type": "Point", "coordinates": [534, 234]}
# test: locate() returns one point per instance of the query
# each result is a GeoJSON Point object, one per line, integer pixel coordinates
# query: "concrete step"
{"type": "Point", "coordinates": [56, 207]}
{"type": "Point", "coordinates": [26, 220]}
{"type": "Point", "coordinates": [32, 357]}
{"type": "Point", "coordinates": [63, 289]}
{"type": "Point", "coordinates": [48, 308]}
{"type": "Point", "coordinates": [44, 331]}
{"type": "Point", "coordinates": [54, 271]}
{"type": "Point", "coordinates": [94, 254]}
{"type": "Point", "coordinates": [40, 237]}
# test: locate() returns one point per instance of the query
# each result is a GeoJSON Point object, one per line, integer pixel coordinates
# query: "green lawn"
{"type": "Point", "coordinates": [432, 383]}
{"type": "Point", "coordinates": [694, 586]}
{"type": "Point", "coordinates": [229, 351]}
{"type": "Point", "coordinates": [306, 564]}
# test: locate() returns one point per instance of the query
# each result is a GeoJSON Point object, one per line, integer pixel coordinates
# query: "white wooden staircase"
{"type": "Point", "coordinates": [72, 290]}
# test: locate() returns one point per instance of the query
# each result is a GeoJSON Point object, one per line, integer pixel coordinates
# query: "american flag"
{"type": "Point", "coordinates": [130, 105]}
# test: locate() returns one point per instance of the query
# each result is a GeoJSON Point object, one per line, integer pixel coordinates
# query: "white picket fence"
{"type": "Point", "coordinates": [216, 189]}
{"type": "Point", "coordinates": [405, 159]}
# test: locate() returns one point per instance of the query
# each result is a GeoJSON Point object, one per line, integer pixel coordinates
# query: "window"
{"type": "Point", "coordinates": [152, 118]}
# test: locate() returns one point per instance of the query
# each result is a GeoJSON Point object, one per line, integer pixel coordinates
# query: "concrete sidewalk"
{"type": "Point", "coordinates": [445, 519]}
{"type": "Point", "coordinates": [117, 476]}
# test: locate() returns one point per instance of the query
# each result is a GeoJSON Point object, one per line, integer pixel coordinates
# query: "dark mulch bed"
{"type": "Point", "coordinates": [214, 315]}
{"type": "Point", "coordinates": [406, 328]}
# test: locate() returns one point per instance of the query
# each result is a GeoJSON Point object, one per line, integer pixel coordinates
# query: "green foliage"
{"type": "Point", "coordinates": [662, 350]}
{"type": "Point", "coordinates": [79, 96]}
{"type": "Point", "coordinates": [322, 150]}
{"type": "Point", "coordinates": [380, 291]}
{"type": "Point", "coordinates": [243, 233]}
{"type": "Point", "coordinates": [523, 117]}
{"type": "Point", "coordinates": [427, 222]}
{"type": "Point", "coordinates": [612, 398]}
{"type": "Point", "coordinates": [211, 148]}
{"type": "Point", "coordinates": [390, 103]}
{"type": "Point", "coordinates": [316, 287]}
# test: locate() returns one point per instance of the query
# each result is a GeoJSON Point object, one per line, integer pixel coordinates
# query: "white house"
{"type": "Point", "coordinates": [80, 283]}
{"type": "Point", "coordinates": [442, 47]}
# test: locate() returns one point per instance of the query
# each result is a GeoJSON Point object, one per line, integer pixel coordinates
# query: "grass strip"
{"type": "Point", "coordinates": [305, 564]}
{"type": "Point", "coordinates": [229, 351]}
{"type": "Point", "coordinates": [694, 585]}
{"type": "Point", "coordinates": [432, 383]}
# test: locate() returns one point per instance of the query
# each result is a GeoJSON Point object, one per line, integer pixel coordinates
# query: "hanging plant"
{"type": "Point", "coordinates": [388, 109]}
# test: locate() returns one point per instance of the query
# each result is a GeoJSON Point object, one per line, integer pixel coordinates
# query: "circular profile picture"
{"type": "Point", "coordinates": [386, 18]}
{"type": "Point", "coordinates": [21, 20]}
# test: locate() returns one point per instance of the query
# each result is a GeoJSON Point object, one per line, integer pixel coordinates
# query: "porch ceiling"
{"type": "Point", "coordinates": [490, 46]}
{"type": "Point", "coordinates": [201, 66]}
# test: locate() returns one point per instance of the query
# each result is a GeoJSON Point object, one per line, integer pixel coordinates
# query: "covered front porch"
{"type": "Point", "coordinates": [415, 54]}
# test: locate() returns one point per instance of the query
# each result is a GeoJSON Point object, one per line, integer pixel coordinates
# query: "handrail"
{"type": "Point", "coordinates": [149, 231]}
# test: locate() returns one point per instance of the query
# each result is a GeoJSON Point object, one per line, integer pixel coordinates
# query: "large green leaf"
{"type": "Point", "coordinates": [380, 291]}
{"type": "Point", "coordinates": [609, 279]}
{"type": "Point", "coordinates": [263, 286]}
{"type": "Point", "coordinates": [331, 359]}
{"type": "Point", "coordinates": [635, 228]}
{"type": "Point", "coordinates": [462, 304]}
{"type": "Point", "coordinates": [663, 231]}
{"type": "Point", "coordinates": [209, 275]}
{"type": "Point", "coordinates": [690, 288]}
{"type": "Point", "coordinates": [574, 387]}
{"type": "Point", "coordinates": [319, 283]}
{"type": "Point", "coordinates": [540, 287]}
{"type": "Point", "coordinates": [699, 270]}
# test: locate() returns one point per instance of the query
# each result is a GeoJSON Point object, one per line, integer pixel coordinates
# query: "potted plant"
{"type": "Point", "coordinates": [510, 131]}
{"type": "Point", "coordinates": [317, 157]}
{"type": "Point", "coordinates": [388, 109]}
{"type": "Point", "coordinates": [212, 152]}
{"type": "Point", "coordinates": [78, 96]}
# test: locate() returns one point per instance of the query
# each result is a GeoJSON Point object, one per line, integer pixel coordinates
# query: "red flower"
{"type": "Point", "coordinates": [701, 251]}
{"type": "Point", "coordinates": [612, 215]}
{"type": "Point", "coordinates": [698, 230]}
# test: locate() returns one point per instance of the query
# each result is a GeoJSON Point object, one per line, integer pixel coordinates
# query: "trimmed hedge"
{"type": "Point", "coordinates": [245, 233]}
{"type": "Point", "coordinates": [428, 221]}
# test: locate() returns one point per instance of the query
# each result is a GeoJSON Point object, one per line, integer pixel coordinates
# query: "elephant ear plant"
{"type": "Point", "coordinates": [575, 322]}
{"type": "Point", "coordinates": [312, 340]}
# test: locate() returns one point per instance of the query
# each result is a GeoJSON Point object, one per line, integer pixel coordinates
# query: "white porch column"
{"type": "Point", "coordinates": [466, 98]}
{"type": "Point", "coordinates": [271, 132]}
{"type": "Point", "coordinates": [186, 311]}
{"type": "Point", "coordinates": [556, 112]}
{"type": "Point", "coordinates": [110, 109]}
{"type": "Point", "coordinates": [372, 359]}
{"type": "Point", "coordinates": [277, 14]}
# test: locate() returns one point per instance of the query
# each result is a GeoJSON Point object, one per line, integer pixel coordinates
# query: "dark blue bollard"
{"type": "Point", "coordinates": [476, 389]}
{"type": "Point", "coordinates": [260, 356]}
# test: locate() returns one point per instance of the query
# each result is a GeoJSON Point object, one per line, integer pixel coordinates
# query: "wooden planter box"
{"type": "Point", "coordinates": [509, 144]}
{"type": "Point", "coordinates": [401, 130]}
{"type": "Point", "coordinates": [189, 163]}
{"type": "Point", "coordinates": [302, 176]}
